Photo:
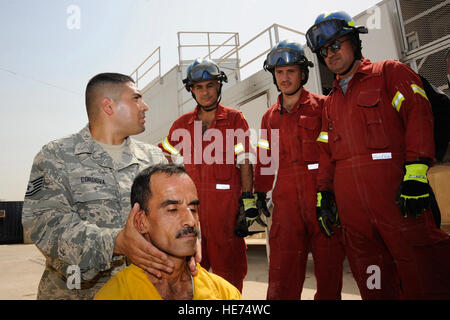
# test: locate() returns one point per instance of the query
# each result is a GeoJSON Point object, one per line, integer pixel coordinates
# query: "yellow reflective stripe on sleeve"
{"type": "Point", "coordinates": [397, 101]}
{"type": "Point", "coordinates": [264, 144]}
{"type": "Point", "coordinates": [419, 90]}
{"type": "Point", "coordinates": [238, 148]}
{"type": "Point", "coordinates": [323, 137]}
{"type": "Point", "coordinates": [169, 148]}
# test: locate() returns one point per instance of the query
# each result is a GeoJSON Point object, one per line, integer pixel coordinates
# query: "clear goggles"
{"type": "Point", "coordinates": [325, 31]}
{"type": "Point", "coordinates": [283, 56]}
{"type": "Point", "coordinates": [197, 73]}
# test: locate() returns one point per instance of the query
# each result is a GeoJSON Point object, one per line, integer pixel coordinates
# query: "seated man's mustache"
{"type": "Point", "coordinates": [187, 230]}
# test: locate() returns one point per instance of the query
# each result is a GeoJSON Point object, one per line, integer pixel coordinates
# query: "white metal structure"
{"type": "Point", "coordinates": [398, 29]}
{"type": "Point", "coordinates": [253, 95]}
{"type": "Point", "coordinates": [413, 31]}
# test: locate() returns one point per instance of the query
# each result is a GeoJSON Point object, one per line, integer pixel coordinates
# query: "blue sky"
{"type": "Point", "coordinates": [45, 66]}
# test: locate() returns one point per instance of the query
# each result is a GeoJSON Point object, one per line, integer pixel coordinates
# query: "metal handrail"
{"type": "Point", "coordinates": [246, 64]}
{"type": "Point", "coordinates": [208, 45]}
{"type": "Point", "coordinates": [238, 48]}
{"type": "Point", "coordinates": [158, 62]}
{"type": "Point", "coordinates": [275, 27]}
{"type": "Point", "coordinates": [226, 45]}
{"type": "Point", "coordinates": [205, 45]}
{"type": "Point", "coordinates": [234, 35]}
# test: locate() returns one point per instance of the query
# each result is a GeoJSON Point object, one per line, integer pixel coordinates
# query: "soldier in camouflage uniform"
{"type": "Point", "coordinates": [77, 202]}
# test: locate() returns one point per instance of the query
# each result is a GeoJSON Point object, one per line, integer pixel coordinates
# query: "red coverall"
{"type": "Point", "coordinates": [218, 185]}
{"type": "Point", "coordinates": [383, 120]}
{"type": "Point", "coordinates": [295, 230]}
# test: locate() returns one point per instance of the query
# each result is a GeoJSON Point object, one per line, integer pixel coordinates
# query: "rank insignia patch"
{"type": "Point", "coordinates": [34, 186]}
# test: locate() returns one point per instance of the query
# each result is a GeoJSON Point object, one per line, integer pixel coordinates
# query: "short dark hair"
{"type": "Point", "coordinates": [140, 190]}
{"type": "Point", "coordinates": [99, 80]}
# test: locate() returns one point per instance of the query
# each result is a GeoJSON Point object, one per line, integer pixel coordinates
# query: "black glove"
{"type": "Point", "coordinates": [246, 215]}
{"type": "Point", "coordinates": [248, 203]}
{"type": "Point", "coordinates": [413, 194]}
{"type": "Point", "coordinates": [326, 212]}
{"type": "Point", "coordinates": [260, 198]}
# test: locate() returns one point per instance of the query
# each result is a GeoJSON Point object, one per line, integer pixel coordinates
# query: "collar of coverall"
{"type": "Point", "coordinates": [364, 68]}
{"type": "Point", "coordinates": [220, 114]}
{"type": "Point", "coordinates": [304, 99]}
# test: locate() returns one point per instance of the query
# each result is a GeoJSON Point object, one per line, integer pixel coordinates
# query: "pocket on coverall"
{"type": "Point", "coordinates": [368, 101]}
{"type": "Point", "coordinates": [308, 133]}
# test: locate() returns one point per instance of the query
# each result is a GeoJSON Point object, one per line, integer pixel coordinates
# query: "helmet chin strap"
{"type": "Point", "coordinates": [293, 93]}
{"type": "Point", "coordinates": [206, 109]}
{"type": "Point", "coordinates": [348, 69]}
{"type": "Point", "coordinates": [210, 109]}
{"type": "Point", "coordinates": [288, 94]}
{"type": "Point", "coordinates": [216, 105]}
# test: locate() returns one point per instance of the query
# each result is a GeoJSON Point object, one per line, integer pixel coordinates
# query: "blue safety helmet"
{"type": "Point", "coordinates": [202, 70]}
{"type": "Point", "coordinates": [328, 27]}
{"type": "Point", "coordinates": [286, 53]}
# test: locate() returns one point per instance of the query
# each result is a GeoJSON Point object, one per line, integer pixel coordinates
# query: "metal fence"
{"type": "Point", "coordinates": [426, 36]}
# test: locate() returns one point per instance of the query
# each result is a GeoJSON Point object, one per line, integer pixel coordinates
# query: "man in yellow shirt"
{"type": "Point", "coordinates": [168, 217]}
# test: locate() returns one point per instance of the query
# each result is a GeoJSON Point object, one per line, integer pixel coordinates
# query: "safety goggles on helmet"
{"type": "Point", "coordinates": [283, 56]}
{"type": "Point", "coordinates": [327, 30]}
{"type": "Point", "coordinates": [197, 73]}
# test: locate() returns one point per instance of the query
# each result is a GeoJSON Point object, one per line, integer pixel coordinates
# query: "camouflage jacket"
{"type": "Point", "coordinates": [76, 203]}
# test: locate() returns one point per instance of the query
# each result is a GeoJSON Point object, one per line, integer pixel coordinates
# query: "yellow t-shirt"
{"type": "Point", "coordinates": [133, 284]}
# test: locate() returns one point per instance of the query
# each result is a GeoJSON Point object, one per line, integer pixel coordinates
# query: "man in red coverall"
{"type": "Point", "coordinates": [376, 147]}
{"type": "Point", "coordinates": [214, 143]}
{"type": "Point", "coordinates": [295, 118]}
